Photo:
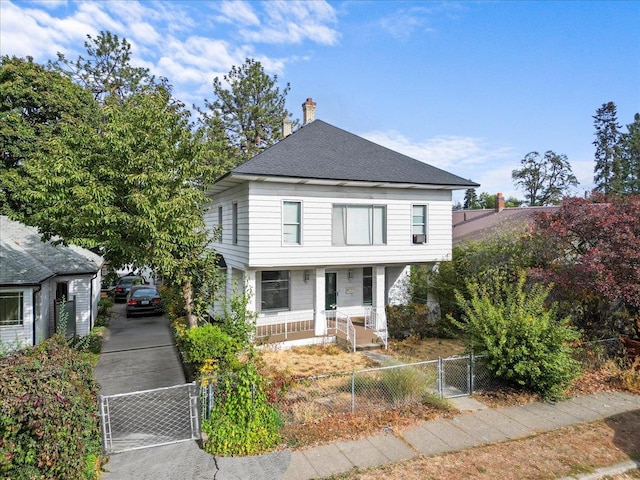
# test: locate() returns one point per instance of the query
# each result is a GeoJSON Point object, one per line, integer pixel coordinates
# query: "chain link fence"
{"type": "Point", "coordinates": [149, 418]}
{"type": "Point", "coordinates": [394, 386]}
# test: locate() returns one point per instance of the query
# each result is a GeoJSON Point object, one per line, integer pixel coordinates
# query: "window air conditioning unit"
{"type": "Point", "coordinates": [419, 238]}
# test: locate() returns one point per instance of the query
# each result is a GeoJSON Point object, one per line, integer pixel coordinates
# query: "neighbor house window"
{"type": "Point", "coordinates": [11, 308]}
{"type": "Point", "coordinates": [419, 223]}
{"type": "Point", "coordinates": [220, 223]}
{"type": "Point", "coordinates": [234, 223]}
{"type": "Point", "coordinates": [367, 286]}
{"type": "Point", "coordinates": [359, 225]}
{"type": "Point", "coordinates": [275, 290]}
{"type": "Point", "coordinates": [292, 223]}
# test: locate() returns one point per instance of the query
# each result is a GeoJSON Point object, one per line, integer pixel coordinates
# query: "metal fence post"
{"type": "Point", "coordinates": [472, 373]}
{"type": "Point", "coordinates": [353, 392]}
{"type": "Point", "coordinates": [440, 377]}
{"type": "Point", "coordinates": [105, 425]}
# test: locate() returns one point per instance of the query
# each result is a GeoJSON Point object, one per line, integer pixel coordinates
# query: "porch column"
{"type": "Point", "coordinates": [250, 287]}
{"type": "Point", "coordinates": [320, 319]}
{"type": "Point", "coordinates": [379, 288]}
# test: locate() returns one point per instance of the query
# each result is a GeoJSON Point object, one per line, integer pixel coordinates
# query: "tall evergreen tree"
{"type": "Point", "coordinates": [251, 108]}
{"type": "Point", "coordinates": [609, 169]}
{"type": "Point", "coordinates": [106, 71]}
{"type": "Point", "coordinates": [631, 155]}
{"type": "Point", "coordinates": [470, 198]}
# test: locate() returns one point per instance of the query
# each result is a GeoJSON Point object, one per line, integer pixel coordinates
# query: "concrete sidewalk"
{"type": "Point", "coordinates": [467, 430]}
{"type": "Point", "coordinates": [139, 354]}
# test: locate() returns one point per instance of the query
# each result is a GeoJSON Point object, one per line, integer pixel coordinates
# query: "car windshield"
{"type": "Point", "coordinates": [145, 292]}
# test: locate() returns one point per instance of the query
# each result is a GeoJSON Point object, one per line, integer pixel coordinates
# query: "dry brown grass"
{"type": "Point", "coordinates": [570, 451]}
{"type": "Point", "coordinates": [311, 361]}
{"type": "Point", "coordinates": [418, 350]}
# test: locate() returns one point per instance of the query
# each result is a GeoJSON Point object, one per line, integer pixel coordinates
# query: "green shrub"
{"type": "Point", "coordinates": [242, 422]}
{"type": "Point", "coordinates": [417, 320]}
{"type": "Point", "coordinates": [48, 414]}
{"type": "Point", "coordinates": [208, 342]}
{"type": "Point", "coordinates": [522, 338]}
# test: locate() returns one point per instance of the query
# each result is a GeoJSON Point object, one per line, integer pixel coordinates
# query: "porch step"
{"type": "Point", "coordinates": [365, 347]}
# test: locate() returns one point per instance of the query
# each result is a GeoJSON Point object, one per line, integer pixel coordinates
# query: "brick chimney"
{"type": "Point", "coordinates": [286, 127]}
{"type": "Point", "coordinates": [499, 202]}
{"type": "Point", "coordinates": [308, 111]}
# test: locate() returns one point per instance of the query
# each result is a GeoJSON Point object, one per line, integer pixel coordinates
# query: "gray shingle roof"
{"type": "Point", "coordinates": [26, 260]}
{"type": "Point", "coordinates": [476, 225]}
{"type": "Point", "coordinates": [321, 151]}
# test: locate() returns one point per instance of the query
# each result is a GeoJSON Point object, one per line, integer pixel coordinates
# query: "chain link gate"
{"type": "Point", "coordinates": [149, 418]}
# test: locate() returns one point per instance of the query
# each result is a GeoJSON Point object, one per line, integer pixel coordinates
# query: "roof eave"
{"type": "Point", "coordinates": [232, 179]}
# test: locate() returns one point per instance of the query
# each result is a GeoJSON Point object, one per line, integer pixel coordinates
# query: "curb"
{"type": "Point", "coordinates": [606, 471]}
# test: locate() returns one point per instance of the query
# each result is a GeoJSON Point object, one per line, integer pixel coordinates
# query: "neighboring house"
{"type": "Point", "coordinates": [325, 220]}
{"type": "Point", "coordinates": [33, 275]}
{"type": "Point", "coordinates": [486, 223]}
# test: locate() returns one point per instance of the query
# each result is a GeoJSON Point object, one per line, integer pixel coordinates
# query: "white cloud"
{"type": "Point", "coordinates": [294, 22]}
{"type": "Point", "coordinates": [237, 12]}
{"type": "Point", "coordinates": [443, 151]}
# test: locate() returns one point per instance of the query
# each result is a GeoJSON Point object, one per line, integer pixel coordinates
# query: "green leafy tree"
{"type": "Point", "coordinates": [520, 335]}
{"type": "Point", "coordinates": [545, 180]}
{"type": "Point", "coordinates": [609, 169]}
{"type": "Point", "coordinates": [106, 71]}
{"type": "Point", "coordinates": [37, 107]}
{"type": "Point", "coordinates": [251, 107]}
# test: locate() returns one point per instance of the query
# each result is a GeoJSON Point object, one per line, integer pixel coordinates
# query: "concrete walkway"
{"type": "Point", "coordinates": [138, 355]}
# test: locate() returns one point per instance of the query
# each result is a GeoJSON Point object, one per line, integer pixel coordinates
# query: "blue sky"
{"type": "Point", "coordinates": [470, 87]}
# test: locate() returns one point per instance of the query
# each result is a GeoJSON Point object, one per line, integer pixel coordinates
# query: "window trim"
{"type": "Point", "coordinates": [298, 224]}
{"type": "Point", "coordinates": [286, 307]}
{"type": "Point", "coordinates": [220, 223]}
{"type": "Point", "coordinates": [345, 224]}
{"type": "Point", "coordinates": [18, 322]}
{"type": "Point", "coordinates": [365, 276]}
{"type": "Point", "coordinates": [234, 223]}
{"type": "Point", "coordinates": [423, 225]}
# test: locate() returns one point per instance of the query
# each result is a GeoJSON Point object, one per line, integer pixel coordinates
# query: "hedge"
{"type": "Point", "coordinates": [48, 414]}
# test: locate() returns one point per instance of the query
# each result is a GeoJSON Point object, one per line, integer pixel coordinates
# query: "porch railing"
{"type": "Point", "coordinates": [283, 326]}
{"type": "Point", "coordinates": [343, 324]}
{"type": "Point", "coordinates": [377, 323]}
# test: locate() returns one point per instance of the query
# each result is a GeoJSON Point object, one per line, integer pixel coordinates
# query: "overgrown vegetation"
{"type": "Point", "coordinates": [48, 415]}
{"type": "Point", "coordinates": [523, 340]}
{"type": "Point", "coordinates": [241, 421]}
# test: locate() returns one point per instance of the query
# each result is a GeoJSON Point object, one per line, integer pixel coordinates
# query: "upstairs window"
{"type": "Point", "coordinates": [220, 223]}
{"type": "Point", "coordinates": [419, 223]}
{"type": "Point", "coordinates": [359, 225]}
{"type": "Point", "coordinates": [234, 223]}
{"type": "Point", "coordinates": [292, 223]}
{"type": "Point", "coordinates": [11, 308]}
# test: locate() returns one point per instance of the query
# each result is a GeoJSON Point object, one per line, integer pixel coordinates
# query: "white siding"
{"type": "Point", "coordinates": [235, 255]}
{"type": "Point", "coordinates": [266, 248]}
{"type": "Point", "coordinates": [18, 336]}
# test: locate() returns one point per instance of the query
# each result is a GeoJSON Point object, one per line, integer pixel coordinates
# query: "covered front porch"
{"type": "Point", "coordinates": [355, 332]}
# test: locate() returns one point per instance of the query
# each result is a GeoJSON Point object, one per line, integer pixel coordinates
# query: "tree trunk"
{"type": "Point", "coordinates": [187, 296]}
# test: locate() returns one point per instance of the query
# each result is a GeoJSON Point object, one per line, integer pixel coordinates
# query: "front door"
{"type": "Point", "coordinates": [331, 290]}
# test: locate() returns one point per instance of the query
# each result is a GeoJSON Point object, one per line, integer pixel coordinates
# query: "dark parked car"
{"type": "Point", "coordinates": [144, 299]}
{"type": "Point", "coordinates": [124, 284]}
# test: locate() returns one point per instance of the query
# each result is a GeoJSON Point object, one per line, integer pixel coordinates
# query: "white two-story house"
{"type": "Point", "coordinates": [324, 223]}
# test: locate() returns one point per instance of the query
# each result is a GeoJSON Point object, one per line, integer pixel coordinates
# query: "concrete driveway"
{"type": "Point", "coordinates": [138, 354]}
